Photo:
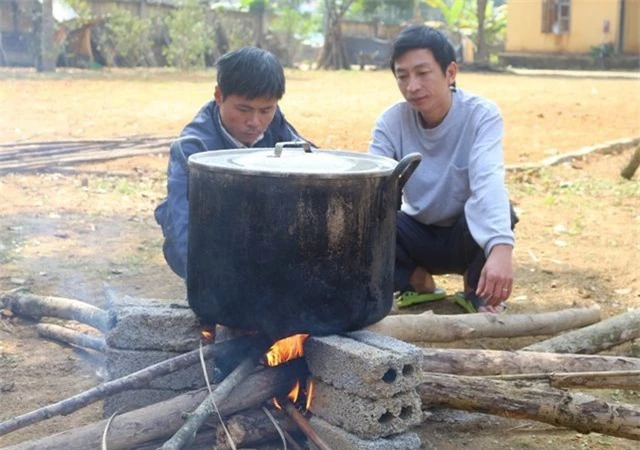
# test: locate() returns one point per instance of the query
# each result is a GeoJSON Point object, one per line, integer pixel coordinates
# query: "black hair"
{"type": "Point", "coordinates": [422, 36]}
{"type": "Point", "coordinates": [250, 72]}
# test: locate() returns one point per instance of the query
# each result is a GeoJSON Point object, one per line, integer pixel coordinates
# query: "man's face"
{"type": "Point", "coordinates": [422, 82]}
{"type": "Point", "coordinates": [245, 119]}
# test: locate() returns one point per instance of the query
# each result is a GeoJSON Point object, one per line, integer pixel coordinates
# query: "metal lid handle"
{"type": "Point", "coordinates": [281, 145]}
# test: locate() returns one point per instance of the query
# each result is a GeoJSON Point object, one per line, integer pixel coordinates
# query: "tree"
{"type": "Point", "coordinates": [293, 25]}
{"type": "Point", "coordinates": [486, 22]}
{"type": "Point", "coordinates": [47, 56]}
{"type": "Point", "coordinates": [333, 55]}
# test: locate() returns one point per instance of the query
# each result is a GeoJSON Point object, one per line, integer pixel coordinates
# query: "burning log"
{"type": "Point", "coordinates": [620, 379]}
{"type": "Point", "coordinates": [595, 338]}
{"type": "Point", "coordinates": [252, 427]}
{"type": "Point", "coordinates": [578, 411]}
{"type": "Point", "coordinates": [221, 351]}
{"type": "Point", "coordinates": [68, 336]}
{"type": "Point", "coordinates": [36, 307]}
{"type": "Point", "coordinates": [160, 420]}
{"type": "Point", "coordinates": [429, 327]}
{"type": "Point", "coordinates": [497, 362]}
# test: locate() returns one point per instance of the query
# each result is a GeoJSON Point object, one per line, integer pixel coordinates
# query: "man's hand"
{"type": "Point", "coordinates": [496, 278]}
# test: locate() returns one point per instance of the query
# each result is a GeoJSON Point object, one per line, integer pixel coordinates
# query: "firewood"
{"type": "Point", "coordinates": [496, 362]}
{"type": "Point", "coordinates": [595, 338]}
{"type": "Point", "coordinates": [523, 400]}
{"type": "Point", "coordinates": [132, 381]}
{"type": "Point", "coordinates": [68, 336]}
{"type": "Point", "coordinates": [619, 379]}
{"type": "Point", "coordinates": [36, 306]}
{"type": "Point", "coordinates": [429, 327]}
{"type": "Point", "coordinates": [632, 166]}
{"type": "Point", "coordinates": [187, 432]}
{"type": "Point", "coordinates": [252, 427]}
{"type": "Point", "coordinates": [160, 420]}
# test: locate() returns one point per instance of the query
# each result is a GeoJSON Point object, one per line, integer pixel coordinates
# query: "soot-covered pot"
{"type": "Point", "coordinates": [292, 240]}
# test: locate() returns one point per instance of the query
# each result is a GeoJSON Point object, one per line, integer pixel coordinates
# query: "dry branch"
{"type": "Point", "coordinates": [632, 166]}
{"type": "Point", "coordinates": [429, 327]}
{"type": "Point", "coordinates": [36, 306]}
{"type": "Point", "coordinates": [496, 362]}
{"type": "Point", "coordinates": [619, 379]}
{"type": "Point", "coordinates": [68, 336]}
{"type": "Point", "coordinates": [160, 420]}
{"type": "Point", "coordinates": [135, 380]}
{"type": "Point", "coordinates": [595, 338]}
{"type": "Point", "coordinates": [525, 401]}
{"type": "Point", "coordinates": [304, 425]}
{"type": "Point", "coordinates": [187, 432]}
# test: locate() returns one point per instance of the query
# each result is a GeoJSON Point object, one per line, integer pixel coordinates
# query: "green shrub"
{"type": "Point", "coordinates": [189, 35]}
{"type": "Point", "coordinates": [129, 37]}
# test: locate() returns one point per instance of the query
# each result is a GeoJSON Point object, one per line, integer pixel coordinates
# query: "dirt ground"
{"type": "Point", "coordinates": [70, 230]}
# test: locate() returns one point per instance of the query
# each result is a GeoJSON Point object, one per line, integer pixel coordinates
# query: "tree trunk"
{"type": "Point", "coordinates": [631, 168]}
{"type": "Point", "coordinates": [47, 57]}
{"type": "Point", "coordinates": [35, 306]}
{"type": "Point", "coordinates": [482, 56]}
{"type": "Point", "coordinates": [497, 362]}
{"type": "Point", "coordinates": [333, 55]}
{"type": "Point", "coordinates": [68, 336]}
{"type": "Point", "coordinates": [595, 338]}
{"type": "Point", "coordinates": [621, 379]}
{"type": "Point", "coordinates": [526, 401]}
{"type": "Point", "coordinates": [429, 327]}
{"type": "Point", "coordinates": [161, 420]}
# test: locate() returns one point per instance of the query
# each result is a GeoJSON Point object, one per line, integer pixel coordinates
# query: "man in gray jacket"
{"type": "Point", "coordinates": [455, 215]}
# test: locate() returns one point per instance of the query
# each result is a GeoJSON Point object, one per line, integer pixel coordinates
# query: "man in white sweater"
{"type": "Point", "coordinates": [455, 215]}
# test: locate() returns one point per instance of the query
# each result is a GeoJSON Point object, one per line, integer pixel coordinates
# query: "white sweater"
{"type": "Point", "coordinates": [462, 166]}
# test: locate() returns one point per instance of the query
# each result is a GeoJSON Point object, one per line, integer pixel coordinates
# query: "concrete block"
{"type": "Point", "coordinates": [366, 417]}
{"type": "Point", "coordinates": [364, 363]}
{"type": "Point", "coordinates": [338, 439]}
{"type": "Point", "coordinates": [134, 399]}
{"type": "Point", "coordinates": [152, 324]}
{"type": "Point", "coordinates": [124, 362]}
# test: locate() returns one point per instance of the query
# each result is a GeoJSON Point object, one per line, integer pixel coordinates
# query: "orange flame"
{"type": "Point", "coordinates": [310, 385]}
{"type": "Point", "coordinates": [285, 350]}
{"type": "Point", "coordinates": [207, 335]}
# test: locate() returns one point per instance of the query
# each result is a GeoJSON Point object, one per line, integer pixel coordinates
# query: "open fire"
{"type": "Point", "coordinates": [285, 350]}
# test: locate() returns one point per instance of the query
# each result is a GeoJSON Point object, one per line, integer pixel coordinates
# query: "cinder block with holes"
{"type": "Point", "coordinates": [364, 363]}
{"type": "Point", "coordinates": [338, 439]}
{"type": "Point", "coordinates": [367, 418]}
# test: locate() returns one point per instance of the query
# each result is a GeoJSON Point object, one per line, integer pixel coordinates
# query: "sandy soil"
{"type": "Point", "coordinates": [68, 230]}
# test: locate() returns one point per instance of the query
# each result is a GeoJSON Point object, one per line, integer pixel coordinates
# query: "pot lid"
{"type": "Point", "coordinates": [293, 161]}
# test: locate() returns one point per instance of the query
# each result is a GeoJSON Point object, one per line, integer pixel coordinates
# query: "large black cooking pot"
{"type": "Point", "coordinates": [290, 240]}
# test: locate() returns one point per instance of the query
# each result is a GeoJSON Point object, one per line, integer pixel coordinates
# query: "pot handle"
{"type": "Point", "coordinates": [281, 145]}
{"type": "Point", "coordinates": [403, 171]}
{"type": "Point", "coordinates": [178, 153]}
{"type": "Point", "coordinates": [405, 168]}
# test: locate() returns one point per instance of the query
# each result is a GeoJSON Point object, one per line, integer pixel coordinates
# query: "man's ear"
{"type": "Point", "coordinates": [452, 72]}
{"type": "Point", "coordinates": [217, 95]}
